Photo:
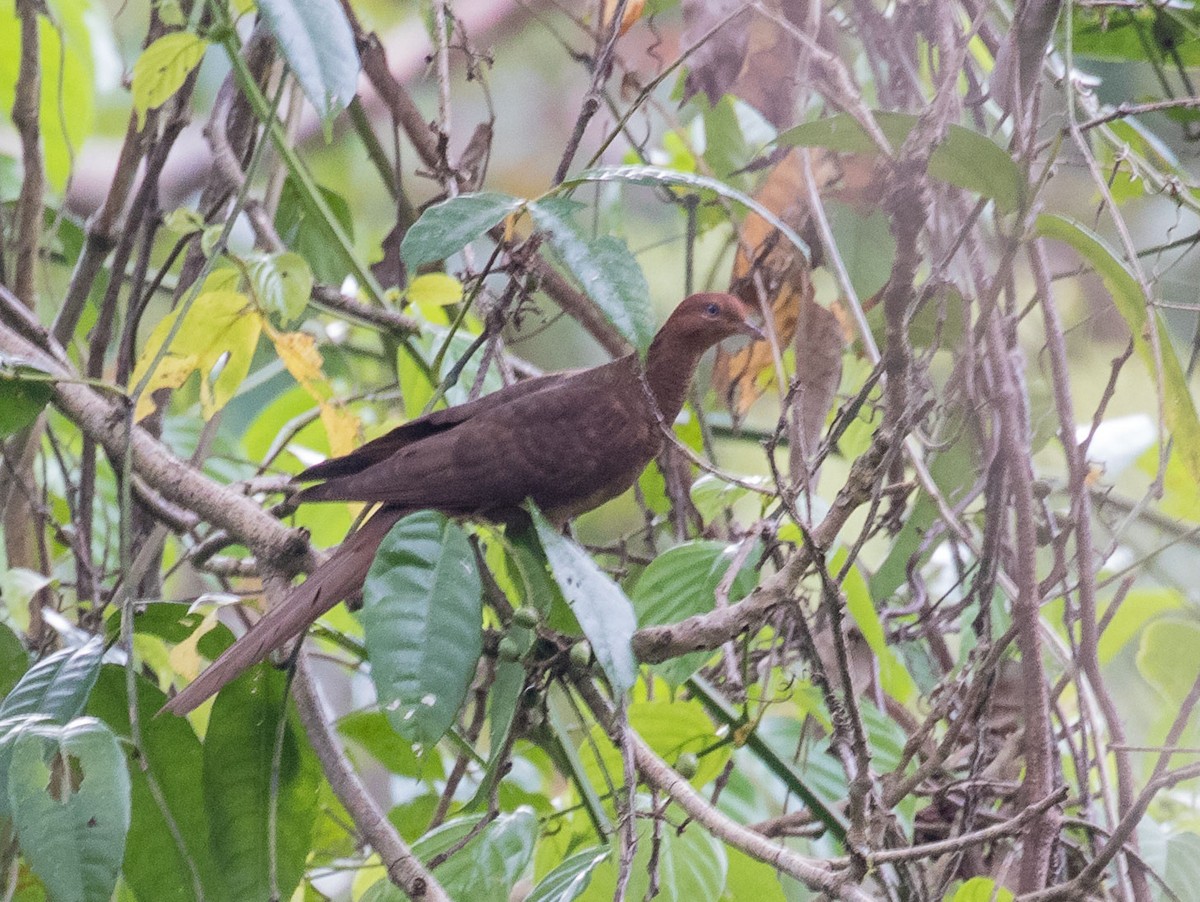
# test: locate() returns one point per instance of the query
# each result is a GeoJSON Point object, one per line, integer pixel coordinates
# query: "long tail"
{"type": "Point", "coordinates": [336, 579]}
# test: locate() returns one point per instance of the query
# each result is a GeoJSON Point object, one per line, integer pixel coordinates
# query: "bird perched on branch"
{"type": "Point", "coordinates": [568, 441]}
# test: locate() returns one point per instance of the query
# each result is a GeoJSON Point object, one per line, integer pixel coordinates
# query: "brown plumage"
{"type": "Point", "coordinates": [570, 441]}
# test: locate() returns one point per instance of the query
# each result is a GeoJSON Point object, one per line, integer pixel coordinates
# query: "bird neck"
{"type": "Point", "coordinates": [670, 365]}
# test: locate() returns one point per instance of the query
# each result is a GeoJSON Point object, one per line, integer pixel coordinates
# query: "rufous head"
{"type": "Point", "coordinates": [702, 320]}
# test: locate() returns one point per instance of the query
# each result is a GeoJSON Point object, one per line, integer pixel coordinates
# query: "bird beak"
{"type": "Point", "coordinates": [748, 328]}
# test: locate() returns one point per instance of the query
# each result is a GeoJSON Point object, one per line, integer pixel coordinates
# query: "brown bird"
{"type": "Point", "coordinates": [570, 441]}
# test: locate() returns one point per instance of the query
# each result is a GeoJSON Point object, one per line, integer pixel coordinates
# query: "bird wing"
{"type": "Point", "coordinates": [386, 445]}
{"type": "Point", "coordinates": [571, 445]}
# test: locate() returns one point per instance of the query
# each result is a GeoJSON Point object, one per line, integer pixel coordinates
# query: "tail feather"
{"type": "Point", "coordinates": [338, 578]}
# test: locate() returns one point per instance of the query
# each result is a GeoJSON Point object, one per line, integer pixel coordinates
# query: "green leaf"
{"type": "Point", "coordinates": [1167, 657]}
{"type": "Point", "coordinates": [486, 868]}
{"type": "Point", "coordinates": [303, 232]}
{"type": "Point", "coordinates": [604, 613]}
{"type": "Point", "coordinates": [24, 392]}
{"type": "Point", "coordinates": [68, 791]}
{"type": "Point", "coordinates": [1131, 302]}
{"type": "Point", "coordinates": [965, 159]}
{"type": "Point", "coordinates": [422, 616]}
{"type": "Point", "coordinates": [319, 47]}
{"type": "Point", "coordinates": [764, 745]}
{"type": "Point", "coordinates": [981, 889]}
{"type": "Point", "coordinates": [654, 176]}
{"type": "Point", "coordinates": [283, 283]}
{"type": "Point", "coordinates": [236, 781]}
{"type": "Point", "coordinates": [1182, 871]}
{"type": "Point", "coordinates": [503, 700]}
{"type": "Point", "coordinates": [14, 660]}
{"type": "Point", "coordinates": [893, 675]}
{"type": "Point", "coordinates": [865, 243]}
{"type": "Point", "coordinates": [371, 730]}
{"type": "Point", "coordinates": [750, 878]}
{"type": "Point", "coordinates": [58, 685]}
{"type": "Point", "coordinates": [691, 867]}
{"type": "Point", "coordinates": [434, 289]}
{"type": "Point", "coordinates": [67, 108]}
{"type": "Point", "coordinates": [568, 881]}
{"type": "Point", "coordinates": [1140, 607]}
{"type": "Point", "coordinates": [170, 755]}
{"type": "Point", "coordinates": [449, 226]}
{"type": "Point", "coordinates": [671, 728]}
{"type": "Point", "coordinates": [604, 268]}
{"type": "Point", "coordinates": [683, 582]}
{"type": "Point", "coordinates": [162, 69]}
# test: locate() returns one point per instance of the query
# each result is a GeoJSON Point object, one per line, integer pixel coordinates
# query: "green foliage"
{"type": "Point", "coordinates": [422, 612]}
{"type": "Point", "coordinates": [603, 266]}
{"type": "Point", "coordinates": [169, 854]}
{"type": "Point", "coordinates": [162, 69]}
{"type": "Point", "coordinates": [68, 791]}
{"type": "Point", "coordinates": [317, 43]}
{"type": "Point", "coordinates": [472, 716]}
{"type": "Point", "coordinates": [24, 392]}
{"type": "Point", "coordinates": [239, 757]}
{"type": "Point", "coordinates": [598, 603]}
{"type": "Point", "coordinates": [964, 158]}
{"type": "Point", "coordinates": [447, 227]}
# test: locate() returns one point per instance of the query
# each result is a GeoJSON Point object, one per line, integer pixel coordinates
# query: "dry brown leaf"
{"type": "Point", "coordinates": [714, 65]}
{"type": "Point", "coordinates": [768, 266]}
{"type": "Point", "coordinates": [633, 12]}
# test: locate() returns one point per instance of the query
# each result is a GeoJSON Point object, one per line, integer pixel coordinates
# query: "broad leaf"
{"type": "Point", "coordinates": [981, 889]}
{"type": "Point", "coordinates": [1130, 300]}
{"type": "Point", "coordinates": [603, 611]}
{"type": "Point", "coordinates": [14, 660]}
{"type": "Point", "coordinates": [24, 392]}
{"type": "Point", "coordinates": [682, 582]}
{"type": "Point", "coordinates": [216, 339]}
{"type": "Point", "coordinates": [66, 37]}
{"type": "Point", "coordinates": [68, 791]}
{"type": "Point", "coordinates": [893, 675]}
{"type": "Point", "coordinates": [487, 868]}
{"type": "Point", "coordinates": [1167, 657]}
{"type": "Point", "coordinates": [654, 176]}
{"type": "Point", "coordinates": [58, 685]}
{"type": "Point", "coordinates": [162, 69]}
{"type": "Point", "coordinates": [236, 780]}
{"type": "Point", "coordinates": [447, 227]}
{"type": "Point", "coordinates": [568, 881]}
{"type": "Point", "coordinates": [283, 283]}
{"type": "Point", "coordinates": [604, 268]}
{"type": "Point", "coordinates": [671, 729]}
{"type": "Point", "coordinates": [422, 616]}
{"type": "Point", "coordinates": [965, 159]}
{"type": "Point", "coordinates": [155, 865]}
{"type": "Point", "coordinates": [691, 867]}
{"type": "Point", "coordinates": [319, 47]}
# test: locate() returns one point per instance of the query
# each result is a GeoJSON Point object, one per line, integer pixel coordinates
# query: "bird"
{"type": "Point", "coordinates": [567, 441]}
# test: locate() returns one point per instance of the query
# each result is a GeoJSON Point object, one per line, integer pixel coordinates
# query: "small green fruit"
{"type": "Point", "coordinates": [526, 616]}
{"type": "Point", "coordinates": [687, 764]}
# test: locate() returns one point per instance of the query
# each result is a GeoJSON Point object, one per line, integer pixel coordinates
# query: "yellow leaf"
{"type": "Point", "coordinates": [298, 351]}
{"type": "Point", "coordinates": [185, 659]}
{"type": "Point", "coordinates": [216, 339]}
{"type": "Point", "coordinates": [162, 69]}
{"type": "Point", "coordinates": [435, 288]}
{"type": "Point", "coordinates": [341, 427]}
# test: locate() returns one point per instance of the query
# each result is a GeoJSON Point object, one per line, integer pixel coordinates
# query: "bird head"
{"type": "Point", "coordinates": [704, 319]}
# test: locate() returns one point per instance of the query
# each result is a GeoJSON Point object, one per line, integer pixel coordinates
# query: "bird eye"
{"type": "Point", "coordinates": [712, 310]}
